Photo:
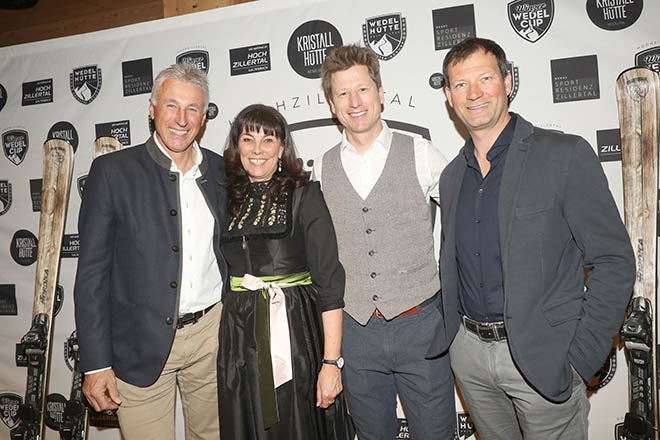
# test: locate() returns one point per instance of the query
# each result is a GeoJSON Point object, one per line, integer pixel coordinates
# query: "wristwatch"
{"type": "Point", "coordinates": [339, 363]}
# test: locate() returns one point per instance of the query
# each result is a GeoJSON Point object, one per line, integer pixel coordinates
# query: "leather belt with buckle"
{"type": "Point", "coordinates": [414, 310]}
{"type": "Point", "coordinates": [487, 331]}
{"type": "Point", "coordinates": [191, 318]}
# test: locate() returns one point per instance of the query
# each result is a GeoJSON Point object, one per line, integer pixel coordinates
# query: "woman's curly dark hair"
{"type": "Point", "coordinates": [258, 117]}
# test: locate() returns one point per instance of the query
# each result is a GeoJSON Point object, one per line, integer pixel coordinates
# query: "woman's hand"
{"type": "Point", "coordinates": [328, 385]}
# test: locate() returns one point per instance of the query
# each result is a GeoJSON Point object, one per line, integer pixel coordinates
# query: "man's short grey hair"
{"type": "Point", "coordinates": [182, 72]}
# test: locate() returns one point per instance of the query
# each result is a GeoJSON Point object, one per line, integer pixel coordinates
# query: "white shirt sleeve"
{"type": "Point", "coordinates": [429, 163]}
{"type": "Point", "coordinates": [317, 169]}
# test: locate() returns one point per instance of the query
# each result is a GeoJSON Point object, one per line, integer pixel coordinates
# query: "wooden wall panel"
{"type": "Point", "coordinates": [60, 18]}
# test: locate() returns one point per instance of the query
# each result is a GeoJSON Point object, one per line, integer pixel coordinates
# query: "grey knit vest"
{"type": "Point", "coordinates": [386, 241]}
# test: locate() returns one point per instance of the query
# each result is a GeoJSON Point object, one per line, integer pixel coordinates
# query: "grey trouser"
{"type": "Point", "coordinates": [384, 357]}
{"type": "Point", "coordinates": [501, 403]}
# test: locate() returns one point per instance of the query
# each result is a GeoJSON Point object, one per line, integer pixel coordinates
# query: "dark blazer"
{"type": "Point", "coordinates": [129, 270]}
{"type": "Point", "coordinates": [554, 209]}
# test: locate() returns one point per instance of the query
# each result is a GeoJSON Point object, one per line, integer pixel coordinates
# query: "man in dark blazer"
{"type": "Point", "coordinates": [150, 274]}
{"type": "Point", "coordinates": [524, 212]}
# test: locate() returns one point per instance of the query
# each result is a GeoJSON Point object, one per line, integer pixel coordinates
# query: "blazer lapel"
{"type": "Point", "coordinates": [514, 169]}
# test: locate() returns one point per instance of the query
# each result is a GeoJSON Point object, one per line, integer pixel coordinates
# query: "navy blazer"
{"type": "Point", "coordinates": [129, 271]}
{"type": "Point", "coordinates": [556, 217]}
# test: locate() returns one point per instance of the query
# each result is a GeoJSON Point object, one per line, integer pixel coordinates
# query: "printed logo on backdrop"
{"type": "Point", "coordinates": [7, 308]}
{"type": "Point", "coordinates": [619, 433]}
{"type": "Point", "coordinates": [464, 427]}
{"type": "Point", "coordinates": [403, 433]}
{"type": "Point", "coordinates": [5, 196]}
{"type": "Point", "coordinates": [66, 131]}
{"type": "Point", "coordinates": [138, 77]}
{"type": "Point", "coordinates": [609, 145]}
{"type": "Point", "coordinates": [120, 130]}
{"type": "Point", "coordinates": [605, 374]}
{"type": "Point", "coordinates": [85, 83]}
{"type": "Point", "coordinates": [212, 111]}
{"type": "Point", "coordinates": [515, 81]}
{"type": "Point", "coordinates": [453, 25]}
{"type": "Point", "coordinates": [59, 299]}
{"type": "Point", "coordinates": [9, 403]}
{"type": "Point", "coordinates": [81, 184]}
{"type": "Point", "coordinates": [649, 58]}
{"type": "Point", "coordinates": [308, 46]}
{"type": "Point", "coordinates": [436, 80]}
{"type": "Point", "coordinates": [614, 15]}
{"type": "Point", "coordinates": [575, 79]}
{"type": "Point", "coordinates": [385, 34]}
{"type": "Point", "coordinates": [197, 57]}
{"type": "Point", "coordinates": [70, 246]}
{"type": "Point", "coordinates": [54, 410]}
{"type": "Point", "coordinates": [3, 97]}
{"type": "Point", "coordinates": [15, 144]}
{"type": "Point", "coordinates": [37, 92]}
{"type": "Point", "coordinates": [249, 59]}
{"type": "Point", "coordinates": [531, 19]}
{"type": "Point", "coordinates": [23, 247]}
{"type": "Point", "coordinates": [35, 194]}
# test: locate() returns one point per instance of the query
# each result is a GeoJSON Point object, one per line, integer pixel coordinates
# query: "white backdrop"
{"type": "Point", "coordinates": [29, 103]}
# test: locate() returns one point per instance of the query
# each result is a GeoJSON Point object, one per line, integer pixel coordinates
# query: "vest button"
{"type": "Point", "coordinates": [375, 297]}
{"type": "Point", "coordinates": [172, 212]}
{"type": "Point", "coordinates": [373, 274]}
{"type": "Point", "coordinates": [371, 253]}
{"type": "Point", "coordinates": [173, 177]}
{"type": "Point", "coordinates": [365, 209]}
{"type": "Point", "coordinates": [169, 320]}
{"type": "Point", "coordinates": [173, 284]}
{"type": "Point", "coordinates": [175, 248]}
{"type": "Point", "coordinates": [369, 231]}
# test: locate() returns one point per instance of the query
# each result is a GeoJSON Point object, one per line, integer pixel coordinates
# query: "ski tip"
{"type": "Point", "coordinates": [637, 71]}
{"type": "Point", "coordinates": [59, 144]}
{"type": "Point", "coordinates": [106, 144]}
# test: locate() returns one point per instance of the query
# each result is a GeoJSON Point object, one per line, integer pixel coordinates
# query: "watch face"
{"type": "Point", "coordinates": [340, 362]}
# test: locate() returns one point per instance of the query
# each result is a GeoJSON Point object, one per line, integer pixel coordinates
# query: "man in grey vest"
{"type": "Point", "coordinates": [378, 185]}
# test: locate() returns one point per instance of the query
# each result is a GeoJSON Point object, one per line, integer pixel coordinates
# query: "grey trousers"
{"type": "Point", "coordinates": [502, 404]}
{"type": "Point", "coordinates": [384, 357]}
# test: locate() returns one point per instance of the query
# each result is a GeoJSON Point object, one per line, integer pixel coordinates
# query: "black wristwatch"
{"type": "Point", "coordinates": [339, 363]}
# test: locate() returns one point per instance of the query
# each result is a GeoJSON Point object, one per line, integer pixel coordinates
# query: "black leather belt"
{"type": "Point", "coordinates": [191, 318]}
{"type": "Point", "coordinates": [487, 331]}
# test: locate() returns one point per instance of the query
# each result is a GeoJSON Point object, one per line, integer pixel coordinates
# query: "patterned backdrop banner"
{"type": "Point", "coordinates": [565, 56]}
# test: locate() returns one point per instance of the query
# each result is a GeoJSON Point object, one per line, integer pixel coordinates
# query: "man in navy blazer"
{"type": "Point", "coordinates": [524, 212]}
{"type": "Point", "coordinates": [150, 274]}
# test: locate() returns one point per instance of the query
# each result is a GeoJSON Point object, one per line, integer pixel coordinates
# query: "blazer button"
{"type": "Point", "coordinates": [375, 297]}
{"type": "Point", "coordinates": [172, 212]}
{"type": "Point", "coordinates": [369, 231]}
{"type": "Point", "coordinates": [173, 177]}
{"type": "Point", "coordinates": [371, 253]}
{"type": "Point", "coordinates": [365, 209]}
{"type": "Point", "coordinates": [169, 320]}
{"type": "Point", "coordinates": [173, 284]}
{"type": "Point", "coordinates": [373, 275]}
{"type": "Point", "coordinates": [175, 248]}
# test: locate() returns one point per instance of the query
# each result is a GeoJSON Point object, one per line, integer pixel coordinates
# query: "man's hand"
{"type": "Point", "coordinates": [101, 390]}
{"type": "Point", "coordinates": [328, 385]}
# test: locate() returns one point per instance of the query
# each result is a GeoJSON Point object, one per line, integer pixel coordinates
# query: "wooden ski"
{"type": "Point", "coordinates": [34, 349]}
{"type": "Point", "coordinates": [104, 145]}
{"type": "Point", "coordinates": [638, 92]}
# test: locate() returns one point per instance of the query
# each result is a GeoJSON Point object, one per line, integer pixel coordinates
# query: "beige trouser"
{"type": "Point", "coordinates": [148, 412]}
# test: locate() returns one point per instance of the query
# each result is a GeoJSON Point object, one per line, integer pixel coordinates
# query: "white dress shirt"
{"type": "Point", "coordinates": [201, 282]}
{"type": "Point", "coordinates": [364, 170]}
